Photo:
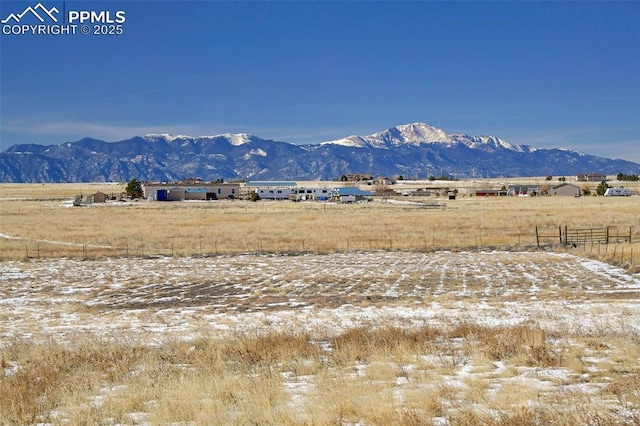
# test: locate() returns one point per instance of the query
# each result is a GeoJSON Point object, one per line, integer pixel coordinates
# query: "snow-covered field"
{"type": "Point", "coordinates": [167, 297]}
{"type": "Point", "coordinates": [157, 300]}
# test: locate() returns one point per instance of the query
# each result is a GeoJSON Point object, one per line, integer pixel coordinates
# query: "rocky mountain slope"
{"type": "Point", "coordinates": [412, 150]}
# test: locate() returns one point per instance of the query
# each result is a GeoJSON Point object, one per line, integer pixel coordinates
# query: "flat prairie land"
{"type": "Point", "coordinates": [38, 222]}
{"type": "Point", "coordinates": [397, 312]}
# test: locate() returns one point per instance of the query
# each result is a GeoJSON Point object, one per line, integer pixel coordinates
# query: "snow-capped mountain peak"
{"type": "Point", "coordinates": [153, 137]}
{"type": "Point", "coordinates": [352, 141]}
{"type": "Point", "coordinates": [416, 149]}
{"type": "Point", "coordinates": [421, 133]}
{"type": "Point", "coordinates": [406, 134]}
{"type": "Point", "coordinates": [237, 139]}
{"type": "Point", "coordinates": [494, 142]}
{"type": "Point", "coordinates": [415, 133]}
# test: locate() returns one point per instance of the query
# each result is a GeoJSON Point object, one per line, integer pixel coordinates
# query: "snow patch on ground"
{"type": "Point", "coordinates": [166, 297]}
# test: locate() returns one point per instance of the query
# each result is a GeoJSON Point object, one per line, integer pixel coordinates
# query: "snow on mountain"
{"type": "Point", "coordinates": [414, 133]}
{"type": "Point", "coordinates": [235, 139]}
{"type": "Point", "coordinates": [415, 149]}
{"type": "Point", "coordinates": [154, 137]}
{"type": "Point", "coordinates": [494, 142]}
{"type": "Point", "coordinates": [405, 134]}
{"type": "Point", "coordinates": [352, 141]}
{"type": "Point", "coordinates": [259, 152]}
{"type": "Point", "coordinates": [422, 133]}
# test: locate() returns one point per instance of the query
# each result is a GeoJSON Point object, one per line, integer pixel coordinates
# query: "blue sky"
{"type": "Point", "coordinates": [548, 74]}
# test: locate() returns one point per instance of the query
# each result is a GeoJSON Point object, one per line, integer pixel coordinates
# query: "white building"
{"type": "Point", "coordinates": [309, 194]}
{"type": "Point", "coordinates": [274, 193]}
{"type": "Point", "coordinates": [180, 192]}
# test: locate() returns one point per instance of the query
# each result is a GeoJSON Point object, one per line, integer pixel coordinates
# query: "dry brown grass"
{"type": "Point", "coordinates": [43, 228]}
{"type": "Point", "coordinates": [446, 370]}
{"type": "Point", "coordinates": [247, 378]}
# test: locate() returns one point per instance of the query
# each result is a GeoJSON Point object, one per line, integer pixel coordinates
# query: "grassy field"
{"type": "Point", "coordinates": [37, 221]}
{"type": "Point", "coordinates": [232, 312]}
{"type": "Point", "coordinates": [483, 337]}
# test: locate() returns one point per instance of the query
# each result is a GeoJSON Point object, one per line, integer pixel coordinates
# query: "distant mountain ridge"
{"type": "Point", "coordinates": [421, 133]}
{"type": "Point", "coordinates": [411, 150]}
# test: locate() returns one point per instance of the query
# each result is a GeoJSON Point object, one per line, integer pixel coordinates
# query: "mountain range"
{"type": "Point", "coordinates": [415, 150]}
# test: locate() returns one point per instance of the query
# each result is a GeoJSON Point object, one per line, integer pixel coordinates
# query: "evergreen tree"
{"type": "Point", "coordinates": [602, 188]}
{"type": "Point", "coordinates": [134, 189]}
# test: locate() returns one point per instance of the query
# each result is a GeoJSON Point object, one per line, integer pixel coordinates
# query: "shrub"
{"type": "Point", "coordinates": [253, 196]}
{"type": "Point", "coordinates": [134, 189]}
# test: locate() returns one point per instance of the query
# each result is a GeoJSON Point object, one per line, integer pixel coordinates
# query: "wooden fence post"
{"type": "Point", "coordinates": [560, 233]}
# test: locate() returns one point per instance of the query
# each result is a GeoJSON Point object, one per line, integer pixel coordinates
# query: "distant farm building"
{"type": "Point", "coordinates": [182, 192]}
{"type": "Point", "coordinates": [491, 193]}
{"type": "Point", "coordinates": [523, 190]}
{"type": "Point", "coordinates": [565, 189]}
{"type": "Point", "coordinates": [591, 177]}
{"type": "Point", "coordinates": [311, 194]}
{"type": "Point", "coordinates": [270, 184]}
{"type": "Point", "coordinates": [383, 181]}
{"type": "Point", "coordinates": [191, 181]}
{"type": "Point", "coordinates": [417, 193]}
{"type": "Point", "coordinates": [98, 197]}
{"type": "Point", "coordinates": [274, 193]}
{"type": "Point", "coordinates": [357, 177]}
{"type": "Point", "coordinates": [350, 195]}
{"type": "Point", "coordinates": [275, 190]}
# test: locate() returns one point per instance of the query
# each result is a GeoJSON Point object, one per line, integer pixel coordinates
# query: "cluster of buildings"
{"type": "Point", "coordinates": [194, 189]}
{"type": "Point", "coordinates": [190, 190]}
{"type": "Point", "coordinates": [563, 189]}
{"type": "Point", "coordinates": [197, 189]}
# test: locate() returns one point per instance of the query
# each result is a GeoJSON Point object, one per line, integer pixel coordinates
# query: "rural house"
{"type": "Point", "coordinates": [181, 192]}
{"type": "Point", "coordinates": [591, 177]}
{"type": "Point", "coordinates": [523, 190]}
{"type": "Point", "coordinates": [565, 189]}
{"type": "Point", "coordinates": [356, 177]}
{"type": "Point", "coordinates": [349, 195]}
